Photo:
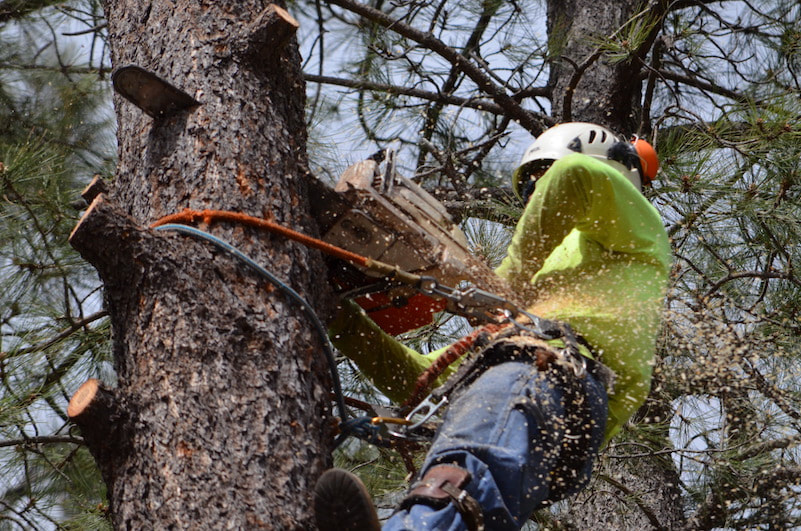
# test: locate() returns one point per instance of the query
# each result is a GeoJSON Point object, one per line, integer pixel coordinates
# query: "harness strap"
{"type": "Point", "coordinates": [473, 341]}
{"type": "Point", "coordinates": [441, 485]}
{"type": "Point", "coordinates": [511, 344]}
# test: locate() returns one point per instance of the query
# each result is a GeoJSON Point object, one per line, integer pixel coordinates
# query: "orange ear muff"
{"type": "Point", "coordinates": [648, 159]}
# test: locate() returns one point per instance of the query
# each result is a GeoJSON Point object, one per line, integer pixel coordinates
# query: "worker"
{"type": "Point", "coordinates": [589, 251]}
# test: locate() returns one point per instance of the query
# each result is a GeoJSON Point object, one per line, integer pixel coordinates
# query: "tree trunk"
{"type": "Point", "coordinates": [587, 85]}
{"type": "Point", "coordinates": [220, 405]}
{"type": "Point", "coordinates": [639, 492]}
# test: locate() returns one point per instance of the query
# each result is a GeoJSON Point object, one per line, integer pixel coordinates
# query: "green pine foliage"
{"type": "Point", "coordinates": [727, 393]}
{"type": "Point", "coordinates": [55, 132]}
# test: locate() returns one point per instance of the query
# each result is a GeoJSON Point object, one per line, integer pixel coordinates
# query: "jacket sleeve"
{"type": "Point", "coordinates": [390, 365]}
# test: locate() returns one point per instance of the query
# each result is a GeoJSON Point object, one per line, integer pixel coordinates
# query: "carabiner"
{"type": "Point", "coordinates": [580, 369]}
{"type": "Point", "coordinates": [427, 408]}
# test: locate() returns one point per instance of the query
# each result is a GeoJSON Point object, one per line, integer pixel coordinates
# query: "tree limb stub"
{"type": "Point", "coordinates": [93, 189]}
{"type": "Point", "coordinates": [91, 407]}
{"type": "Point", "coordinates": [96, 411]}
{"type": "Point", "coordinates": [269, 33]}
{"type": "Point", "coordinates": [471, 103]}
{"type": "Point", "coordinates": [107, 238]}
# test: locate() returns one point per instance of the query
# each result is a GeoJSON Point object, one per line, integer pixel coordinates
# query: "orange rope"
{"type": "Point", "coordinates": [207, 216]}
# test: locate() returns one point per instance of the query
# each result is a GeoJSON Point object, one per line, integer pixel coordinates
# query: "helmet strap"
{"type": "Point", "coordinates": [529, 176]}
{"type": "Point", "coordinates": [626, 154]}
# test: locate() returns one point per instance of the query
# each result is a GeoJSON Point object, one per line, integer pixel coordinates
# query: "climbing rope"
{"type": "Point", "coordinates": [208, 216]}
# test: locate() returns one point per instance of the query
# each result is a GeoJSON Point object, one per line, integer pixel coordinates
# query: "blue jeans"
{"type": "Point", "coordinates": [528, 439]}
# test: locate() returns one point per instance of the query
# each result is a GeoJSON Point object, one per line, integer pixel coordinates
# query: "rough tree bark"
{"type": "Point", "coordinates": [219, 412]}
{"type": "Point", "coordinates": [586, 85]}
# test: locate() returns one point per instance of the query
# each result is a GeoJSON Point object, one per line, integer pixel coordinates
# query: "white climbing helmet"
{"type": "Point", "coordinates": [581, 137]}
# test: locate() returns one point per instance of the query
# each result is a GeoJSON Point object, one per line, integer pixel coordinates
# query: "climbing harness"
{"type": "Point", "coordinates": [513, 344]}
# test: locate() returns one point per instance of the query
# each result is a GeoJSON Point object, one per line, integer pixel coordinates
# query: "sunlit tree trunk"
{"type": "Point", "coordinates": [218, 418]}
{"type": "Point", "coordinates": [587, 85]}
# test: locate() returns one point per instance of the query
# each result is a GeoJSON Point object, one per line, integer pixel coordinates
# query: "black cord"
{"type": "Point", "coordinates": [292, 295]}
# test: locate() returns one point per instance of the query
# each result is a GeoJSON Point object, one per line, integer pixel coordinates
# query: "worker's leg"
{"type": "Point", "coordinates": [508, 429]}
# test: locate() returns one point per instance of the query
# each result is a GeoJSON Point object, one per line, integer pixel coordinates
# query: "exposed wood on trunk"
{"type": "Point", "coordinates": [157, 97]}
{"type": "Point", "coordinates": [94, 409]}
{"type": "Point", "coordinates": [269, 33]}
{"type": "Point", "coordinates": [93, 189]}
{"type": "Point", "coordinates": [103, 423]}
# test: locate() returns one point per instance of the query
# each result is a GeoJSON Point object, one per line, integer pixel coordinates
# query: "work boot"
{"type": "Point", "coordinates": [342, 503]}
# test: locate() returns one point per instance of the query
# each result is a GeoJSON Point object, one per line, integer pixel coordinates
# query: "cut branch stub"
{"type": "Point", "coordinates": [268, 34]}
{"type": "Point", "coordinates": [96, 411]}
{"type": "Point", "coordinates": [109, 240]}
{"type": "Point", "coordinates": [156, 97]}
{"type": "Point", "coordinates": [91, 407]}
{"type": "Point", "coordinates": [104, 424]}
{"type": "Point", "coordinates": [93, 189]}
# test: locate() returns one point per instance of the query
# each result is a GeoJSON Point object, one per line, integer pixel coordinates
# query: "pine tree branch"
{"type": "Point", "coordinates": [689, 219]}
{"type": "Point", "coordinates": [736, 275]}
{"type": "Point", "coordinates": [16, 9]}
{"type": "Point", "coordinates": [762, 448]}
{"type": "Point", "coordinates": [94, 29]}
{"type": "Point", "coordinates": [74, 327]}
{"type": "Point", "coordinates": [53, 439]}
{"type": "Point", "coordinates": [713, 511]}
{"type": "Point", "coordinates": [472, 103]}
{"type": "Point", "coordinates": [532, 122]}
{"type": "Point", "coordinates": [704, 86]}
{"type": "Point", "coordinates": [66, 69]}
{"type": "Point", "coordinates": [686, 4]}
{"type": "Point", "coordinates": [771, 391]}
{"type": "Point", "coordinates": [475, 202]}
{"type": "Point", "coordinates": [434, 111]}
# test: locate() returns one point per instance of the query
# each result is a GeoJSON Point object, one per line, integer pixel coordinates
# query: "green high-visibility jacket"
{"type": "Point", "coordinates": [589, 250]}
